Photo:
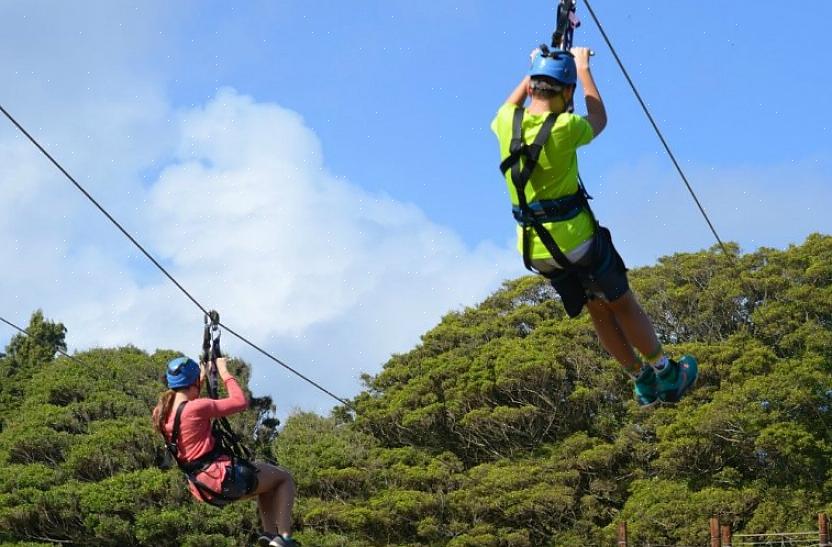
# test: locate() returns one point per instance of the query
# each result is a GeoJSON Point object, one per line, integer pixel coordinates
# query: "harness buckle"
{"type": "Point", "coordinates": [550, 210]}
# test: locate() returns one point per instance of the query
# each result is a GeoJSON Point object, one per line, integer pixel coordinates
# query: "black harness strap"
{"type": "Point", "coordinates": [211, 350]}
{"type": "Point", "coordinates": [529, 218]}
{"type": "Point", "coordinates": [223, 434]}
{"type": "Point", "coordinates": [565, 25]}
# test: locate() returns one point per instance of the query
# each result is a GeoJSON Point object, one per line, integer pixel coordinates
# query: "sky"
{"type": "Point", "coordinates": [324, 174]}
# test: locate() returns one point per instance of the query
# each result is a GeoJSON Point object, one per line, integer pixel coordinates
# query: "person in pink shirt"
{"type": "Point", "coordinates": [185, 421]}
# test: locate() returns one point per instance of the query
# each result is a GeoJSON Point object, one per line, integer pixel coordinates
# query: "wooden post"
{"type": "Point", "coordinates": [823, 530]}
{"type": "Point", "coordinates": [622, 534]}
{"type": "Point", "coordinates": [726, 535]}
{"type": "Point", "coordinates": [714, 525]}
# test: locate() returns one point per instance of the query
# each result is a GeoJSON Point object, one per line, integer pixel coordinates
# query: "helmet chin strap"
{"type": "Point", "coordinates": [570, 104]}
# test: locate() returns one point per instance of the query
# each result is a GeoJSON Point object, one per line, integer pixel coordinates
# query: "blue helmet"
{"type": "Point", "coordinates": [557, 64]}
{"type": "Point", "coordinates": [182, 372]}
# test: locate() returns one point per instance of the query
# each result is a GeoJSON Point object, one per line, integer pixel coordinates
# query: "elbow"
{"type": "Point", "coordinates": [235, 404]}
{"type": "Point", "coordinates": [600, 127]}
{"type": "Point", "coordinates": [598, 123]}
{"type": "Point", "coordinates": [240, 405]}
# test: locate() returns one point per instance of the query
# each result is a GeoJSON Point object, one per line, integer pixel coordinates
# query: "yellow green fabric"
{"type": "Point", "coordinates": [555, 176]}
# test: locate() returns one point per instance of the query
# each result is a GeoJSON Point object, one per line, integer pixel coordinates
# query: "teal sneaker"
{"type": "Point", "coordinates": [646, 389]}
{"type": "Point", "coordinates": [676, 379]}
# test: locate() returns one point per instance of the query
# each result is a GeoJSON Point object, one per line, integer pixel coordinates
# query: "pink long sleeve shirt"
{"type": "Point", "coordinates": [195, 438]}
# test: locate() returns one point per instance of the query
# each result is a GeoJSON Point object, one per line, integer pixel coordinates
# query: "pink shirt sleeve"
{"type": "Point", "coordinates": [217, 408]}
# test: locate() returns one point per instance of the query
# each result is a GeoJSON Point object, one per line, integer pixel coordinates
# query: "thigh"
{"type": "Point", "coordinates": [270, 477]}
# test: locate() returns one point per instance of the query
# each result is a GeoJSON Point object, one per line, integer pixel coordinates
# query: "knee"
{"type": "Point", "coordinates": [287, 479]}
{"type": "Point", "coordinates": [624, 303]}
{"type": "Point", "coordinates": [279, 477]}
{"type": "Point", "coordinates": [600, 310]}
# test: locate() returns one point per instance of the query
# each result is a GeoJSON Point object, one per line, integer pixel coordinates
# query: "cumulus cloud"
{"type": "Point", "coordinates": [82, 91]}
{"type": "Point", "coordinates": [250, 216]}
{"type": "Point", "coordinates": [329, 277]}
{"type": "Point", "coordinates": [247, 217]}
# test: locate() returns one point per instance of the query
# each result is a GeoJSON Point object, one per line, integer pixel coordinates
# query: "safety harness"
{"type": "Point", "coordinates": [522, 160]}
{"type": "Point", "coordinates": [192, 469]}
{"type": "Point", "coordinates": [565, 24]}
{"type": "Point", "coordinates": [223, 434]}
{"type": "Point", "coordinates": [226, 441]}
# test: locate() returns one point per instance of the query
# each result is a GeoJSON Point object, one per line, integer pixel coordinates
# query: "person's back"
{"type": "Point", "coordinates": [556, 174]}
{"type": "Point", "coordinates": [550, 86]}
{"type": "Point", "coordinates": [196, 439]}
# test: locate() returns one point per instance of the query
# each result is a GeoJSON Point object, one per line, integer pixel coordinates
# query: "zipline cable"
{"type": "Point", "coordinates": [158, 265]}
{"type": "Point", "coordinates": [24, 331]}
{"type": "Point", "coordinates": [656, 128]}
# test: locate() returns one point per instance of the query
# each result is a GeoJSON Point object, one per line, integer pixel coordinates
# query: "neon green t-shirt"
{"type": "Point", "coordinates": [555, 176]}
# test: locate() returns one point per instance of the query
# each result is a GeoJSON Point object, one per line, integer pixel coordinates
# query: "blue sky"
{"type": "Point", "coordinates": [239, 119]}
{"type": "Point", "coordinates": [402, 95]}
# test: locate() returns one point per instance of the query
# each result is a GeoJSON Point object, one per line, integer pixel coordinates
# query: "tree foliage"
{"type": "Point", "coordinates": [507, 425]}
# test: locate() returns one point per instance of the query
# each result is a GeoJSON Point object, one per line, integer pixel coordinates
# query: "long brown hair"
{"type": "Point", "coordinates": [162, 410]}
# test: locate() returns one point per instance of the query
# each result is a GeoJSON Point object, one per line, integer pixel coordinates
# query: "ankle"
{"type": "Point", "coordinates": [657, 359]}
{"type": "Point", "coordinates": [669, 371]}
{"type": "Point", "coordinates": [633, 369]}
{"type": "Point", "coordinates": [646, 374]}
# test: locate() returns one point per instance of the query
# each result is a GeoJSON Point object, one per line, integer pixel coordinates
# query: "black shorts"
{"type": "Point", "coordinates": [602, 274]}
{"type": "Point", "coordinates": [240, 480]}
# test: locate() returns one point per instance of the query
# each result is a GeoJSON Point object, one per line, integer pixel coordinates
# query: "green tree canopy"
{"type": "Point", "coordinates": [507, 425]}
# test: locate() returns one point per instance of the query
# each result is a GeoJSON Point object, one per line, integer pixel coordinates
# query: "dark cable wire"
{"type": "Point", "coordinates": [281, 363]}
{"type": "Point", "coordinates": [656, 128]}
{"type": "Point", "coordinates": [24, 331]}
{"type": "Point", "coordinates": [159, 266]}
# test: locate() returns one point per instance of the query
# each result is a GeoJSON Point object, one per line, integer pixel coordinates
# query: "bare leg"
{"type": "Point", "coordinates": [634, 323]}
{"type": "Point", "coordinates": [611, 335]}
{"type": "Point", "coordinates": [264, 503]}
{"type": "Point", "coordinates": [275, 498]}
{"type": "Point", "coordinates": [283, 502]}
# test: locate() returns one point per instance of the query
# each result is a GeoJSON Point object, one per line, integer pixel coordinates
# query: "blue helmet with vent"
{"type": "Point", "coordinates": [182, 372]}
{"type": "Point", "coordinates": [556, 64]}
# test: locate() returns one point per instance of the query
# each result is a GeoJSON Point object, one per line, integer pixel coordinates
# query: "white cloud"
{"type": "Point", "coordinates": [328, 276]}
{"type": "Point", "coordinates": [81, 90]}
{"type": "Point", "coordinates": [249, 220]}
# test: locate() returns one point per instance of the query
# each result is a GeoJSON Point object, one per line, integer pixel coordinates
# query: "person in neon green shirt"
{"type": "Point", "coordinates": [557, 232]}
